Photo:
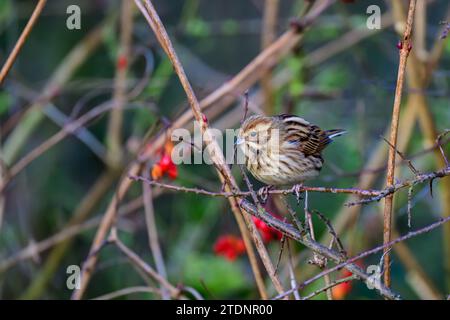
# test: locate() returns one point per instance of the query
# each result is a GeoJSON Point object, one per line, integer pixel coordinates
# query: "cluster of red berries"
{"type": "Point", "coordinates": [232, 247]}
{"type": "Point", "coordinates": [165, 164]}
{"type": "Point", "coordinates": [229, 246]}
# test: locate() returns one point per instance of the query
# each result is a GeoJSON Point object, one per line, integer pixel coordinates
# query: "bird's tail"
{"type": "Point", "coordinates": [335, 133]}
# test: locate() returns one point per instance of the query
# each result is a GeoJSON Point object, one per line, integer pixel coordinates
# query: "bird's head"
{"type": "Point", "coordinates": [257, 135]}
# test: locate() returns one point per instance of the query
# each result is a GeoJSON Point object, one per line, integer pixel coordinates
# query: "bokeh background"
{"type": "Point", "coordinates": [329, 80]}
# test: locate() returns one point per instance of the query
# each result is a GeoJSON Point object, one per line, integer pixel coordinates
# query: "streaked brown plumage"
{"type": "Point", "coordinates": [283, 149]}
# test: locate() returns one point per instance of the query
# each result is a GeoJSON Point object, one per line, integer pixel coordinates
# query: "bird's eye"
{"type": "Point", "coordinates": [253, 134]}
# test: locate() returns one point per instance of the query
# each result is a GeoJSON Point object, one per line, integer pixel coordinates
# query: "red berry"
{"type": "Point", "coordinates": [165, 162]}
{"type": "Point", "coordinates": [122, 62]}
{"type": "Point", "coordinates": [172, 172]}
{"type": "Point", "coordinates": [340, 291]}
{"type": "Point", "coordinates": [229, 246]}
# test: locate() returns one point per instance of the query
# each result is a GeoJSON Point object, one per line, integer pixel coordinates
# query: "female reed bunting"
{"type": "Point", "coordinates": [284, 149]}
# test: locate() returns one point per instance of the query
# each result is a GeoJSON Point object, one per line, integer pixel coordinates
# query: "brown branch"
{"type": "Point", "coordinates": [137, 261]}
{"type": "Point", "coordinates": [301, 188]}
{"type": "Point", "coordinates": [328, 287]}
{"type": "Point", "coordinates": [390, 190]}
{"type": "Point", "coordinates": [373, 195]}
{"type": "Point", "coordinates": [153, 235]}
{"type": "Point", "coordinates": [21, 41]}
{"type": "Point", "coordinates": [347, 263]}
{"type": "Point", "coordinates": [291, 232]}
{"type": "Point", "coordinates": [405, 47]}
{"type": "Point", "coordinates": [408, 161]}
{"type": "Point", "coordinates": [127, 291]}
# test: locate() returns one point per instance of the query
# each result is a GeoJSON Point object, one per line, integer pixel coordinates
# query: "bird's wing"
{"type": "Point", "coordinates": [309, 138]}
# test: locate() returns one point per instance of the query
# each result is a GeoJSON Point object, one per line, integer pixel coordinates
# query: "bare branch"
{"type": "Point", "coordinates": [21, 41]}
{"type": "Point", "coordinates": [346, 264]}
{"type": "Point", "coordinates": [405, 48]}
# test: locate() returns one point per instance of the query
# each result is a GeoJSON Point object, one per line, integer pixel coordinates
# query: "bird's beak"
{"type": "Point", "coordinates": [239, 141]}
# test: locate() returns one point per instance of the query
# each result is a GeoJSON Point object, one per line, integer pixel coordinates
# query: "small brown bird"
{"type": "Point", "coordinates": [283, 149]}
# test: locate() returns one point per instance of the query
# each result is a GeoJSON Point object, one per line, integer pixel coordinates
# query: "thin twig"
{"type": "Point", "coordinates": [329, 286]}
{"type": "Point", "coordinates": [292, 273]}
{"type": "Point", "coordinates": [153, 235]}
{"type": "Point", "coordinates": [409, 206]}
{"type": "Point", "coordinates": [127, 291]}
{"type": "Point", "coordinates": [360, 192]}
{"type": "Point", "coordinates": [21, 41]}
{"type": "Point", "coordinates": [280, 254]}
{"type": "Point", "coordinates": [408, 161]}
{"type": "Point", "coordinates": [373, 195]}
{"type": "Point", "coordinates": [136, 260]}
{"type": "Point", "coordinates": [333, 233]}
{"type": "Point", "coordinates": [438, 142]}
{"type": "Point", "coordinates": [400, 185]}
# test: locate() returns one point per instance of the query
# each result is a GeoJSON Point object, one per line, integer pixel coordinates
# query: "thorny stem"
{"type": "Point", "coordinates": [387, 217]}
{"type": "Point", "coordinates": [348, 263]}
{"type": "Point", "coordinates": [372, 195]}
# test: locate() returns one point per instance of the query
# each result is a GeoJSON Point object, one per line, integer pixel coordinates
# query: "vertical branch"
{"type": "Point", "coordinates": [21, 41]}
{"type": "Point", "coordinates": [268, 35]}
{"type": "Point", "coordinates": [405, 47]}
{"type": "Point", "coordinates": [114, 135]}
{"type": "Point", "coordinates": [153, 236]}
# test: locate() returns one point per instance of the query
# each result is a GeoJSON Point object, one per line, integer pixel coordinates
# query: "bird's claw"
{"type": "Point", "coordinates": [263, 193]}
{"type": "Point", "coordinates": [298, 190]}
